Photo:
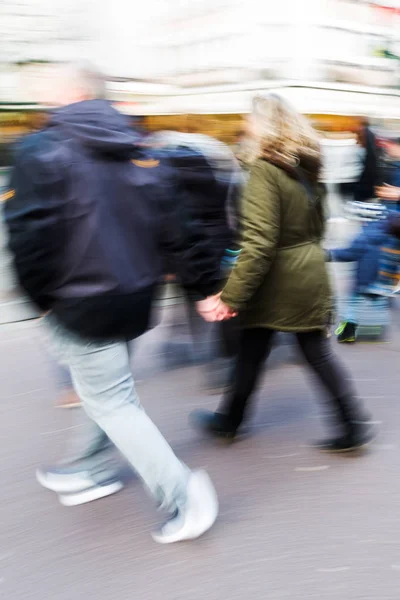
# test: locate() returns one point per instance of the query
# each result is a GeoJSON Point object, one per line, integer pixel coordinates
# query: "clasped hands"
{"type": "Point", "coordinates": [214, 309]}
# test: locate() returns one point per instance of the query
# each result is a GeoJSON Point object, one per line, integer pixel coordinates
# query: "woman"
{"type": "Point", "coordinates": [280, 282]}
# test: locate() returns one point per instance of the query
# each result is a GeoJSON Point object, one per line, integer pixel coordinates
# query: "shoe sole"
{"type": "Point", "coordinates": [203, 516]}
{"type": "Point", "coordinates": [359, 448]}
{"type": "Point", "coordinates": [90, 495]}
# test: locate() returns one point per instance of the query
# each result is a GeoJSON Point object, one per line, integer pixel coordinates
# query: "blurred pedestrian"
{"type": "Point", "coordinates": [389, 193]}
{"type": "Point", "coordinates": [280, 282]}
{"type": "Point", "coordinates": [87, 214]}
{"type": "Point", "coordinates": [365, 189]}
{"type": "Point", "coordinates": [365, 252]}
{"type": "Point", "coordinates": [211, 184]}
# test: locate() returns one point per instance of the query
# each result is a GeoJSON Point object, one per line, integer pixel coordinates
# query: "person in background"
{"type": "Point", "coordinates": [389, 193]}
{"type": "Point", "coordinates": [365, 189]}
{"type": "Point", "coordinates": [88, 214]}
{"type": "Point", "coordinates": [365, 252]}
{"type": "Point", "coordinates": [280, 281]}
{"type": "Point", "coordinates": [211, 182]}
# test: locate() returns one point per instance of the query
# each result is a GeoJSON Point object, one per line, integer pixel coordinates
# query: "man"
{"type": "Point", "coordinates": [87, 212]}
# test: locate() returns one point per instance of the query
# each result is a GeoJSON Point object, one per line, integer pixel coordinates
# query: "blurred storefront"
{"type": "Point", "coordinates": [194, 65]}
{"type": "Point", "coordinates": [16, 121]}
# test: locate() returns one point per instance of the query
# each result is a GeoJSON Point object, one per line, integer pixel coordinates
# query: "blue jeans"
{"type": "Point", "coordinates": [102, 378]}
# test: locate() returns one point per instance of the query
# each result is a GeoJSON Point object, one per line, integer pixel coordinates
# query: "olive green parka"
{"type": "Point", "coordinates": [280, 280]}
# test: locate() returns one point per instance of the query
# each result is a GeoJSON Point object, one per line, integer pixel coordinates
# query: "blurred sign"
{"type": "Point", "coordinates": [387, 8]}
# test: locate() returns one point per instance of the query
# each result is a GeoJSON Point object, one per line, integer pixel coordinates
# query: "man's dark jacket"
{"type": "Point", "coordinates": [91, 214]}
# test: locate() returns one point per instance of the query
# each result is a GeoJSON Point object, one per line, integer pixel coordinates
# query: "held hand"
{"type": "Point", "coordinates": [213, 309]}
{"type": "Point", "coordinates": [207, 308]}
{"type": "Point", "coordinates": [224, 312]}
{"type": "Point", "coordinates": [388, 192]}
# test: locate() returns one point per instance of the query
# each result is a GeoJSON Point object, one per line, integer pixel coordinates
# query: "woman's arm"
{"type": "Point", "coordinates": [260, 231]}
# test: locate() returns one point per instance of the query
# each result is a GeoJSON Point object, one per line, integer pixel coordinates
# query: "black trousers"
{"type": "Point", "coordinates": [255, 346]}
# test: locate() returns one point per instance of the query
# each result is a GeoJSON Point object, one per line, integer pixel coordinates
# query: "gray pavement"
{"type": "Point", "coordinates": [294, 524]}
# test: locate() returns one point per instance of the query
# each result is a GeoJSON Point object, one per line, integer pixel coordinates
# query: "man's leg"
{"type": "Point", "coordinates": [68, 398]}
{"type": "Point", "coordinates": [102, 377]}
{"type": "Point", "coordinates": [88, 449]}
{"type": "Point", "coordinates": [88, 469]}
{"type": "Point", "coordinates": [89, 443]}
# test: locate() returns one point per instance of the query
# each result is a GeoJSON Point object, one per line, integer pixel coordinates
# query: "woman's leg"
{"type": "Point", "coordinates": [356, 430]}
{"type": "Point", "coordinates": [254, 347]}
{"type": "Point", "coordinates": [229, 338]}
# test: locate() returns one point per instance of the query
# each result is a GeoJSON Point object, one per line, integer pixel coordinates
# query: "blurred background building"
{"type": "Point", "coordinates": [336, 60]}
{"type": "Point", "coordinates": [196, 52]}
{"type": "Point", "coordinates": [211, 56]}
{"type": "Point", "coordinates": [196, 64]}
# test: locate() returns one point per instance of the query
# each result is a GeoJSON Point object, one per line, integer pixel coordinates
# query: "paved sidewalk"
{"type": "Point", "coordinates": [294, 524]}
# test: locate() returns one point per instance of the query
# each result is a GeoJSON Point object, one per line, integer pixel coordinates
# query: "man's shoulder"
{"type": "Point", "coordinates": [36, 141]}
{"type": "Point", "coordinates": [37, 147]}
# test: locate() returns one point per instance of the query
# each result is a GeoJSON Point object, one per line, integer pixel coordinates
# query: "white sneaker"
{"type": "Point", "coordinates": [100, 490]}
{"type": "Point", "coordinates": [76, 487]}
{"type": "Point", "coordinates": [197, 517]}
{"type": "Point", "coordinates": [64, 481]}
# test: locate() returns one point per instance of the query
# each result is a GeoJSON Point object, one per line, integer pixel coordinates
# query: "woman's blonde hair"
{"type": "Point", "coordinates": [283, 136]}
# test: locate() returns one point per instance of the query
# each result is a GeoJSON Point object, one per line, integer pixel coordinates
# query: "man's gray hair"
{"type": "Point", "coordinates": [87, 77]}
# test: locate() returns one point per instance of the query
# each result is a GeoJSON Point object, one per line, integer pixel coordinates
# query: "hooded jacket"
{"type": "Point", "coordinates": [280, 280]}
{"type": "Point", "coordinates": [89, 215]}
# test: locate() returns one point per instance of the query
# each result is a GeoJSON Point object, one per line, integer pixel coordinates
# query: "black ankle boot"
{"type": "Point", "coordinates": [215, 424]}
{"type": "Point", "coordinates": [357, 436]}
